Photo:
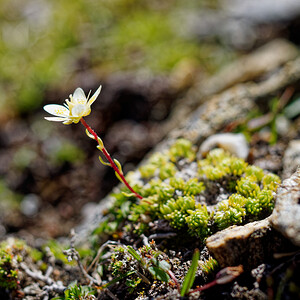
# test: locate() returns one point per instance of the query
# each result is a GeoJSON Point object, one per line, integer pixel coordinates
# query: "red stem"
{"type": "Point", "coordinates": [171, 274]}
{"type": "Point", "coordinates": [204, 287]}
{"type": "Point", "coordinates": [108, 157]}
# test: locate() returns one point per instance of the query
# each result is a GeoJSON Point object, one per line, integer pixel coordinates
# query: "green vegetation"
{"type": "Point", "coordinates": [190, 276]}
{"type": "Point", "coordinates": [9, 199]}
{"type": "Point", "coordinates": [13, 252]}
{"type": "Point", "coordinates": [65, 151]}
{"type": "Point", "coordinates": [45, 45]}
{"type": "Point", "coordinates": [248, 191]}
{"type": "Point", "coordinates": [221, 191]}
{"type": "Point", "coordinates": [195, 198]}
{"type": "Point", "coordinates": [208, 266]}
{"type": "Point", "coordinates": [77, 292]}
{"type": "Point", "coordinates": [130, 264]}
{"type": "Point", "coordinates": [8, 273]}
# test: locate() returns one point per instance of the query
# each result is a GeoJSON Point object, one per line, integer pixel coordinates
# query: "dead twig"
{"type": "Point", "coordinates": [51, 285]}
{"type": "Point", "coordinates": [72, 253]}
{"type": "Point", "coordinates": [100, 250]}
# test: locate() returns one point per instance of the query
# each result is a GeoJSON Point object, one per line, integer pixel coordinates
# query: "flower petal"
{"type": "Point", "coordinates": [94, 97]}
{"type": "Point", "coordinates": [79, 96]}
{"type": "Point", "coordinates": [68, 121]}
{"type": "Point", "coordinates": [56, 110]}
{"type": "Point", "coordinates": [56, 119]}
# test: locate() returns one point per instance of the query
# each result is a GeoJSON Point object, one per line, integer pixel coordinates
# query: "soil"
{"type": "Point", "coordinates": [125, 117]}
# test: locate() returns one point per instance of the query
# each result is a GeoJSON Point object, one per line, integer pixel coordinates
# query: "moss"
{"type": "Point", "coordinates": [227, 215]}
{"type": "Point", "coordinates": [182, 148]}
{"type": "Point", "coordinates": [209, 266]}
{"type": "Point", "coordinates": [248, 191]}
{"type": "Point", "coordinates": [219, 164]}
{"type": "Point", "coordinates": [167, 170]}
{"type": "Point", "coordinates": [8, 272]}
{"type": "Point", "coordinates": [191, 187]}
{"type": "Point", "coordinates": [270, 182]}
{"type": "Point", "coordinates": [198, 221]}
{"type": "Point", "coordinates": [129, 264]}
{"type": "Point", "coordinates": [16, 253]}
{"type": "Point", "coordinates": [148, 170]}
{"type": "Point", "coordinates": [12, 252]}
{"type": "Point", "coordinates": [164, 163]}
{"type": "Point", "coordinates": [196, 202]}
{"type": "Point", "coordinates": [254, 171]}
{"type": "Point", "coordinates": [176, 211]}
{"type": "Point", "coordinates": [247, 188]}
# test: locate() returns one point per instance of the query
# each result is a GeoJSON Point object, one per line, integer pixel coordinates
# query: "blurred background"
{"type": "Point", "coordinates": [146, 55]}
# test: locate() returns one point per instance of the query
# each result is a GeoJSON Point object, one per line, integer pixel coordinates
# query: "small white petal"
{"type": "Point", "coordinates": [68, 121]}
{"type": "Point", "coordinates": [56, 119]}
{"type": "Point", "coordinates": [79, 96]}
{"type": "Point", "coordinates": [94, 97]}
{"type": "Point", "coordinates": [56, 110]}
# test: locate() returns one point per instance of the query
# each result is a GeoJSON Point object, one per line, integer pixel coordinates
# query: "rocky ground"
{"type": "Point", "coordinates": [267, 249]}
{"type": "Point", "coordinates": [144, 250]}
{"type": "Point", "coordinates": [239, 208]}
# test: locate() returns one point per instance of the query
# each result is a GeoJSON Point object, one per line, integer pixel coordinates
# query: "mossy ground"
{"type": "Point", "coordinates": [51, 48]}
{"type": "Point", "coordinates": [185, 200]}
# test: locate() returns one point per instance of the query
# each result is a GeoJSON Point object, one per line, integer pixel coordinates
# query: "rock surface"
{"type": "Point", "coordinates": [195, 120]}
{"type": "Point", "coordinates": [229, 96]}
{"type": "Point", "coordinates": [286, 215]}
{"type": "Point", "coordinates": [239, 23]}
{"type": "Point", "coordinates": [291, 159]}
{"type": "Point", "coordinates": [249, 245]}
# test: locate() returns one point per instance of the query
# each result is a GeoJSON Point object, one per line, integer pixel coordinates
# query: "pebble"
{"type": "Point", "coordinates": [30, 205]}
{"type": "Point", "coordinates": [235, 143]}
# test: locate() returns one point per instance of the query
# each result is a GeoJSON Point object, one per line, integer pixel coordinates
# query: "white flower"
{"type": "Point", "coordinates": [74, 109]}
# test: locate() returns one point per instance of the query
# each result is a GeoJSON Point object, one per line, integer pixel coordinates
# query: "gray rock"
{"type": "Point", "coordinates": [291, 159]}
{"type": "Point", "coordinates": [286, 215]}
{"type": "Point", "coordinates": [239, 23]}
{"type": "Point", "coordinates": [249, 245]}
{"type": "Point", "coordinates": [265, 59]}
{"type": "Point", "coordinates": [277, 58]}
{"type": "Point", "coordinates": [257, 241]}
{"type": "Point", "coordinates": [263, 11]}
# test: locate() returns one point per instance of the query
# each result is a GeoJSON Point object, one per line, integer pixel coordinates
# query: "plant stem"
{"type": "Point", "coordinates": [171, 274]}
{"type": "Point", "coordinates": [108, 157]}
{"type": "Point", "coordinates": [204, 287]}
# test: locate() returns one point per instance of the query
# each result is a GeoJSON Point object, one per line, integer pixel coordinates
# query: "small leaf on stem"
{"type": "Point", "coordinates": [89, 134]}
{"type": "Point", "coordinates": [103, 162]}
{"type": "Point", "coordinates": [118, 164]}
